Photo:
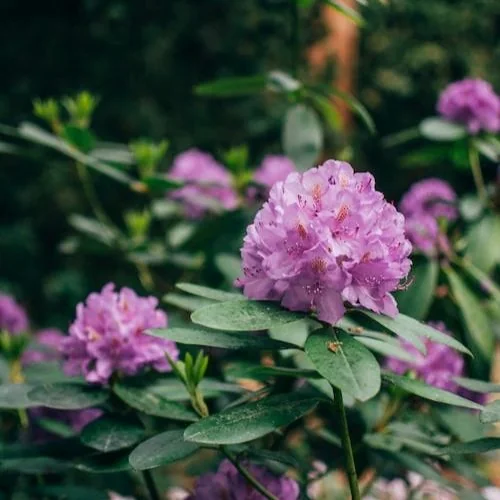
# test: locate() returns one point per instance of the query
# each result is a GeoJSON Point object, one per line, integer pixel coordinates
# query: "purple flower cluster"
{"type": "Point", "coordinates": [108, 336]}
{"type": "Point", "coordinates": [208, 185]}
{"type": "Point", "coordinates": [423, 205]}
{"type": "Point", "coordinates": [325, 237]}
{"type": "Point", "coordinates": [47, 346]}
{"type": "Point", "coordinates": [13, 317]}
{"type": "Point", "coordinates": [273, 169]}
{"type": "Point", "coordinates": [436, 368]}
{"type": "Point", "coordinates": [229, 484]}
{"type": "Point", "coordinates": [473, 103]}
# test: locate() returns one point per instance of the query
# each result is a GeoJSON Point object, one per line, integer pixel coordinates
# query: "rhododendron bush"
{"type": "Point", "coordinates": [289, 332]}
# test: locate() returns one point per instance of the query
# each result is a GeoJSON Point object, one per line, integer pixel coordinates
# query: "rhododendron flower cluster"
{"type": "Point", "coordinates": [423, 205]}
{"type": "Point", "coordinates": [274, 168]}
{"type": "Point", "coordinates": [473, 103]}
{"type": "Point", "coordinates": [437, 367]}
{"type": "Point", "coordinates": [229, 484]}
{"type": "Point", "coordinates": [324, 237]}
{"type": "Point", "coordinates": [13, 317]}
{"type": "Point", "coordinates": [108, 336]}
{"type": "Point", "coordinates": [208, 184]}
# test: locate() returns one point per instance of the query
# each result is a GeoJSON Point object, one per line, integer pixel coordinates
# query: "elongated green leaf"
{"type": "Point", "coordinates": [225, 340]}
{"type": "Point", "coordinates": [344, 362]}
{"type": "Point", "coordinates": [94, 229]}
{"type": "Point", "coordinates": [491, 413]}
{"type": "Point", "coordinates": [483, 242]}
{"type": "Point", "coordinates": [161, 183]}
{"type": "Point", "coordinates": [15, 396]}
{"type": "Point", "coordinates": [482, 279]}
{"type": "Point", "coordinates": [231, 87]}
{"type": "Point", "coordinates": [425, 391]}
{"type": "Point", "coordinates": [186, 302]}
{"type": "Point", "coordinates": [111, 433]}
{"type": "Point", "coordinates": [438, 129]}
{"type": "Point", "coordinates": [161, 449]}
{"type": "Point", "coordinates": [243, 315]}
{"type": "Point", "coordinates": [411, 329]}
{"type": "Point", "coordinates": [475, 318]}
{"type": "Point", "coordinates": [345, 10]}
{"type": "Point", "coordinates": [302, 136]}
{"type": "Point", "coordinates": [385, 348]}
{"type": "Point", "coordinates": [417, 299]}
{"type": "Point", "coordinates": [104, 463]}
{"type": "Point", "coordinates": [416, 464]}
{"type": "Point", "coordinates": [152, 403]}
{"type": "Point", "coordinates": [209, 293]}
{"type": "Point", "coordinates": [33, 133]}
{"type": "Point", "coordinates": [251, 421]}
{"type": "Point", "coordinates": [67, 396]}
{"type": "Point", "coordinates": [482, 445]}
{"type": "Point", "coordinates": [476, 385]}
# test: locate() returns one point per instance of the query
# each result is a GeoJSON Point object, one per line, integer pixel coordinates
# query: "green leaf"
{"type": "Point", "coordinates": [153, 403]}
{"type": "Point", "coordinates": [104, 463]}
{"type": "Point", "coordinates": [294, 333]}
{"type": "Point", "coordinates": [67, 396]}
{"type": "Point", "coordinates": [412, 330]}
{"type": "Point", "coordinates": [356, 106]}
{"type": "Point", "coordinates": [242, 315]}
{"type": "Point", "coordinates": [225, 340]}
{"type": "Point", "coordinates": [186, 302]}
{"type": "Point", "coordinates": [80, 138]}
{"type": "Point", "coordinates": [482, 445]}
{"type": "Point", "coordinates": [326, 108]}
{"type": "Point", "coordinates": [417, 299]}
{"type": "Point", "coordinates": [425, 391]}
{"type": "Point", "coordinates": [476, 385]}
{"type": "Point", "coordinates": [15, 396]}
{"type": "Point", "coordinates": [282, 82]}
{"type": "Point", "coordinates": [346, 11]}
{"type": "Point", "coordinates": [161, 183]}
{"type": "Point", "coordinates": [483, 242]}
{"type": "Point", "coordinates": [488, 147]}
{"type": "Point", "coordinates": [251, 421]}
{"type": "Point", "coordinates": [111, 433]}
{"type": "Point", "coordinates": [56, 427]}
{"type": "Point", "coordinates": [415, 464]}
{"type": "Point", "coordinates": [229, 266]}
{"type": "Point", "coordinates": [94, 229]}
{"type": "Point", "coordinates": [161, 449]}
{"type": "Point", "coordinates": [385, 348]}
{"type": "Point", "coordinates": [344, 362]}
{"type": "Point", "coordinates": [491, 413]}
{"type": "Point", "coordinates": [476, 320]}
{"type": "Point", "coordinates": [438, 129]}
{"type": "Point", "coordinates": [33, 133]}
{"type": "Point", "coordinates": [302, 136]}
{"type": "Point", "coordinates": [232, 87]}
{"type": "Point", "coordinates": [209, 293]}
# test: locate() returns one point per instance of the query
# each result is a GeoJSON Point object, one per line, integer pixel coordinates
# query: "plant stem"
{"type": "Point", "coordinates": [244, 472]}
{"type": "Point", "coordinates": [346, 445]}
{"type": "Point", "coordinates": [91, 195]}
{"type": "Point", "coordinates": [150, 485]}
{"type": "Point", "coordinates": [294, 37]}
{"type": "Point", "coordinates": [477, 174]}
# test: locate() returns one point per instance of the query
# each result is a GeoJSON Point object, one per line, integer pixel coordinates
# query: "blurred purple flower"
{"type": "Point", "coordinates": [436, 368]}
{"type": "Point", "coordinates": [48, 343]}
{"type": "Point", "coordinates": [227, 483]}
{"type": "Point", "coordinates": [13, 317]}
{"type": "Point", "coordinates": [422, 205]}
{"type": "Point", "coordinates": [273, 169]}
{"type": "Point", "coordinates": [208, 184]}
{"type": "Point", "coordinates": [473, 103]}
{"type": "Point", "coordinates": [108, 336]}
{"type": "Point", "coordinates": [325, 237]}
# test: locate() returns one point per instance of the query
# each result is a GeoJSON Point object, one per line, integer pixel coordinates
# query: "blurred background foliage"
{"type": "Point", "coordinates": [143, 59]}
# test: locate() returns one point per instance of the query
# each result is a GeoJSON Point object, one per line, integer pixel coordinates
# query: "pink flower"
{"type": "Point", "coordinates": [325, 237]}
{"type": "Point", "coordinates": [473, 103]}
{"type": "Point", "coordinates": [208, 185]}
{"type": "Point", "coordinates": [227, 483]}
{"type": "Point", "coordinates": [423, 205]}
{"type": "Point", "coordinates": [48, 342]}
{"type": "Point", "coordinates": [108, 336]}
{"type": "Point", "coordinates": [13, 317]}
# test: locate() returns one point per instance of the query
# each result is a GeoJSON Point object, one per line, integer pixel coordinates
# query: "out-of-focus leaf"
{"type": "Point", "coordinates": [282, 82]}
{"type": "Point", "coordinates": [491, 413]}
{"type": "Point", "coordinates": [15, 396]}
{"type": "Point", "coordinates": [385, 348]}
{"type": "Point", "coordinates": [161, 183]}
{"type": "Point", "coordinates": [94, 229]}
{"type": "Point", "coordinates": [483, 243]}
{"type": "Point", "coordinates": [209, 293]}
{"type": "Point", "coordinates": [476, 320]}
{"type": "Point", "coordinates": [302, 136]}
{"type": "Point", "coordinates": [488, 147]}
{"type": "Point", "coordinates": [476, 385]}
{"type": "Point", "coordinates": [232, 87]}
{"type": "Point", "coordinates": [67, 396]}
{"type": "Point", "coordinates": [438, 129]}
{"type": "Point", "coordinates": [417, 299]}
{"type": "Point", "coordinates": [482, 445]}
{"type": "Point", "coordinates": [80, 138]}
